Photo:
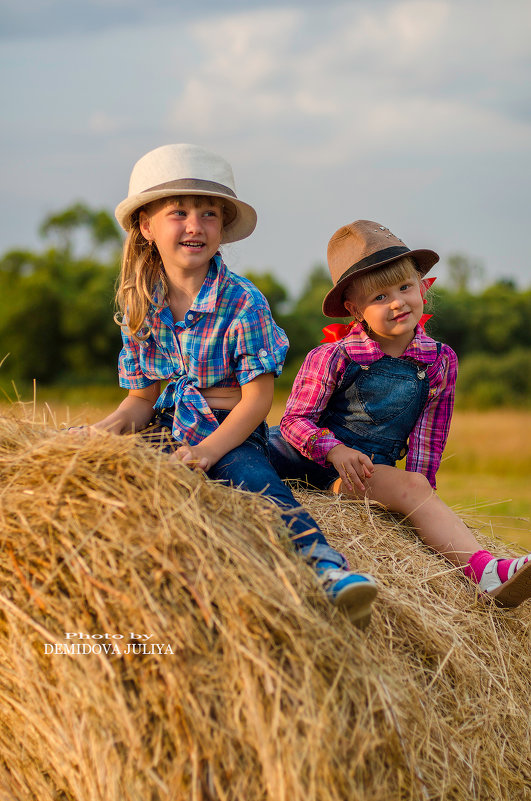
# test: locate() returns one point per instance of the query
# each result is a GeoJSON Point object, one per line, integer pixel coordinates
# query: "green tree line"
{"type": "Point", "coordinates": [57, 306]}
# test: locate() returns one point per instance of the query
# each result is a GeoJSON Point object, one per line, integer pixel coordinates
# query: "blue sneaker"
{"type": "Point", "coordinates": [353, 592]}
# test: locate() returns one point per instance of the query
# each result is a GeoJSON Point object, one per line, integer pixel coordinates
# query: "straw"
{"type": "Point", "coordinates": [261, 690]}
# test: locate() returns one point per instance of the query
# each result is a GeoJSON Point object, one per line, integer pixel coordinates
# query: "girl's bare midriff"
{"type": "Point", "coordinates": [222, 397]}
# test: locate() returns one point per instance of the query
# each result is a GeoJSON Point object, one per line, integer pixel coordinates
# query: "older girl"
{"type": "Point", "coordinates": [190, 321]}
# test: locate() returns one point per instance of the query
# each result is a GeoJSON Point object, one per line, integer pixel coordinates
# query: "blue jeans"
{"type": "Point", "coordinates": [248, 467]}
{"type": "Point", "coordinates": [291, 464]}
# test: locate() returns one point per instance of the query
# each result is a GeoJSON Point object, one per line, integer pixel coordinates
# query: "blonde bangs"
{"type": "Point", "coordinates": [393, 273]}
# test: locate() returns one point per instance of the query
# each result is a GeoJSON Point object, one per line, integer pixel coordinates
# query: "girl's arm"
{"type": "Point", "coordinates": [257, 397]}
{"type": "Point", "coordinates": [134, 412]}
{"type": "Point", "coordinates": [428, 438]}
{"type": "Point", "coordinates": [311, 391]}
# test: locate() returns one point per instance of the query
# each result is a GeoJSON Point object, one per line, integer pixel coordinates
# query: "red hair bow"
{"type": "Point", "coordinates": [425, 285]}
{"type": "Point", "coordinates": [336, 331]}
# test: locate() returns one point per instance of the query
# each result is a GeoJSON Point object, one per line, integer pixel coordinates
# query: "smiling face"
{"type": "Point", "coordinates": [390, 304]}
{"type": "Point", "coordinates": [186, 230]}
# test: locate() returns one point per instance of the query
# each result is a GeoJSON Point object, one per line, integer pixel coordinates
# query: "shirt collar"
{"type": "Point", "coordinates": [422, 348]}
{"type": "Point", "coordinates": [361, 348]}
{"type": "Point", "coordinates": [207, 296]}
{"type": "Point", "coordinates": [206, 300]}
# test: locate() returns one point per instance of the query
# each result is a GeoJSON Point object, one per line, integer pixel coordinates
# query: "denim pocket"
{"type": "Point", "coordinates": [383, 394]}
{"type": "Point", "coordinates": [259, 437]}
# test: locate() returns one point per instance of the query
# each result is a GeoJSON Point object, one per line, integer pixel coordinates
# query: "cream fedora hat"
{"type": "Point", "coordinates": [186, 170]}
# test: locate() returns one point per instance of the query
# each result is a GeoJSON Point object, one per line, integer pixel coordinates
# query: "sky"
{"type": "Point", "coordinates": [414, 114]}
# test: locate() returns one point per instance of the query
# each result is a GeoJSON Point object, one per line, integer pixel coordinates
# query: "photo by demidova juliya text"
{"type": "Point", "coordinates": [78, 643]}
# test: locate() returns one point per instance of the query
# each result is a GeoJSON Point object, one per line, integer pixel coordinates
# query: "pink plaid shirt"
{"type": "Point", "coordinates": [322, 371]}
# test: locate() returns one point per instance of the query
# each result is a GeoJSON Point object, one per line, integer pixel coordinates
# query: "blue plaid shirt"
{"type": "Point", "coordinates": [228, 337]}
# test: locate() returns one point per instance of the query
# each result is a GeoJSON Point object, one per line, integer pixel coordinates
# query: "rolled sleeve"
{"type": "Point", "coordinates": [319, 444]}
{"type": "Point", "coordinates": [260, 346]}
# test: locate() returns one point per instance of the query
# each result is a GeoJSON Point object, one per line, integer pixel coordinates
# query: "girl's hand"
{"type": "Point", "coordinates": [241, 421]}
{"type": "Point", "coordinates": [352, 465]}
{"type": "Point", "coordinates": [195, 456]}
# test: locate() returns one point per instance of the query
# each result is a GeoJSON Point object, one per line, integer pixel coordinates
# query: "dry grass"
{"type": "Point", "coordinates": [269, 693]}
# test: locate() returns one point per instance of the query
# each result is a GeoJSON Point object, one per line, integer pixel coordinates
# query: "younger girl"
{"type": "Point", "coordinates": [191, 322]}
{"type": "Point", "coordinates": [385, 390]}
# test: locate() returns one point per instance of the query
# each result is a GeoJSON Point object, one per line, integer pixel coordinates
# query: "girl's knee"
{"type": "Point", "coordinates": [415, 485]}
{"type": "Point", "coordinates": [408, 493]}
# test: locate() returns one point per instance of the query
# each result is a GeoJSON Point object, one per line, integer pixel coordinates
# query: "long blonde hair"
{"type": "Point", "coordinates": [142, 269]}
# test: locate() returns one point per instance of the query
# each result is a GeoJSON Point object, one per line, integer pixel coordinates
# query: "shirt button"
{"type": "Point", "coordinates": [189, 316]}
{"type": "Point", "coordinates": [262, 352]}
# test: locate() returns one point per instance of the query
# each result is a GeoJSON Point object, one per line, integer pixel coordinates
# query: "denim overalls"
{"type": "Point", "coordinates": [373, 409]}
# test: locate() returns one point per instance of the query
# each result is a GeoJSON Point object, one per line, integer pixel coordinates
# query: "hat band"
{"type": "Point", "coordinates": [193, 184]}
{"type": "Point", "coordinates": [375, 258]}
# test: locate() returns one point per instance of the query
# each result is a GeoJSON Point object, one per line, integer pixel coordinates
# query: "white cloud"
{"type": "Point", "coordinates": [100, 122]}
{"type": "Point", "coordinates": [381, 76]}
{"type": "Point", "coordinates": [248, 48]}
{"type": "Point", "coordinates": [240, 79]}
{"type": "Point", "coordinates": [416, 112]}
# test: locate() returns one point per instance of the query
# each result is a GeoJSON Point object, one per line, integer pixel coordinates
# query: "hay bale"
{"type": "Point", "coordinates": [260, 689]}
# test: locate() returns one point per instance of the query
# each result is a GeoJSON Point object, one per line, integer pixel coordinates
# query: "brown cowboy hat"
{"type": "Point", "coordinates": [359, 248]}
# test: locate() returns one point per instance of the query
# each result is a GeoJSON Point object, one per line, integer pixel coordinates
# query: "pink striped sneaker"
{"type": "Point", "coordinates": [517, 587]}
